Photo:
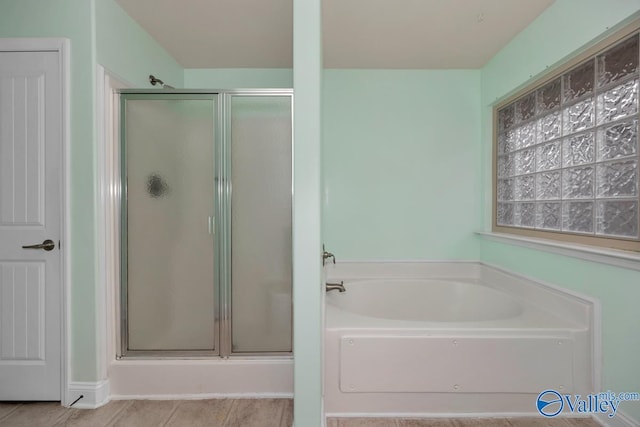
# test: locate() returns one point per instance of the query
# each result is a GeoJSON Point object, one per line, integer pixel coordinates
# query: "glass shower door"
{"type": "Point", "coordinates": [260, 130]}
{"type": "Point", "coordinates": [192, 285]}
{"type": "Point", "coordinates": [168, 293]}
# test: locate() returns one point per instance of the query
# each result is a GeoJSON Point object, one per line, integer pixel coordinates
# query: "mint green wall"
{"type": "Point", "coordinates": [130, 53]}
{"type": "Point", "coordinates": [400, 163]}
{"type": "Point", "coordinates": [71, 19]}
{"type": "Point", "coordinates": [556, 34]}
{"type": "Point", "coordinates": [238, 78]}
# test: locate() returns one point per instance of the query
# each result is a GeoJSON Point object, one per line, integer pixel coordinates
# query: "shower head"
{"type": "Point", "coordinates": [154, 81]}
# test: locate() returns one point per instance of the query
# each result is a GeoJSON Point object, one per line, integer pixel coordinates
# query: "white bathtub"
{"type": "Point", "coordinates": [480, 341]}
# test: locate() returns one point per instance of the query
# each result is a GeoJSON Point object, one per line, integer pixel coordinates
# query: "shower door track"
{"type": "Point", "coordinates": [220, 227]}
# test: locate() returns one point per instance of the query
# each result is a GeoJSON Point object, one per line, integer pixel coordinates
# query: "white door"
{"type": "Point", "coordinates": [30, 213]}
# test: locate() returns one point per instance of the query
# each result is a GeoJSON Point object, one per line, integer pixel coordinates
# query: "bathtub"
{"type": "Point", "coordinates": [425, 300]}
{"type": "Point", "coordinates": [476, 340]}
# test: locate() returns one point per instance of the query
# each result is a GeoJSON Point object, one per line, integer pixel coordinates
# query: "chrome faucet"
{"type": "Point", "coordinates": [326, 255]}
{"type": "Point", "coordinates": [335, 286]}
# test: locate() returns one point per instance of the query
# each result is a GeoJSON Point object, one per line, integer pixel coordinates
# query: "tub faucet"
{"type": "Point", "coordinates": [335, 286]}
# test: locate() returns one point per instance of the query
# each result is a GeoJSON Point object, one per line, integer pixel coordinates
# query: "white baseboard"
{"type": "Point", "coordinates": [94, 394]}
{"type": "Point", "coordinates": [619, 420]}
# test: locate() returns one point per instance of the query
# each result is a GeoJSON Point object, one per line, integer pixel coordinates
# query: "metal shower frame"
{"type": "Point", "coordinates": [222, 327]}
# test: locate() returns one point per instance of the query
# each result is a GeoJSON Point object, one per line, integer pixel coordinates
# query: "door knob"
{"type": "Point", "coordinates": [47, 245]}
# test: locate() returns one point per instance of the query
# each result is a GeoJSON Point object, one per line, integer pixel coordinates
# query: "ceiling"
{"type": "Point", "coordinates": [411, 34]}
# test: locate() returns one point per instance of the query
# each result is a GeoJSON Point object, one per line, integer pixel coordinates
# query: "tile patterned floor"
{"type": "Point", "coordinates": [153, 413]}
{"type": "Point", "coordinates": [227, 413]}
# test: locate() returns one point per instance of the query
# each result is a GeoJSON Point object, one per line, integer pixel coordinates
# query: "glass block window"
{"type": "Point", "coordinates": [567, 152]}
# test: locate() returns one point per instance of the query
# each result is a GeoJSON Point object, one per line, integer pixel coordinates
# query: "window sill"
{"type": "Point", "coordinates": [618, 258]}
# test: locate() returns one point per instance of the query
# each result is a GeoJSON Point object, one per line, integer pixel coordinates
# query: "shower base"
{"type": "Point", "coordinates": [199, 379]}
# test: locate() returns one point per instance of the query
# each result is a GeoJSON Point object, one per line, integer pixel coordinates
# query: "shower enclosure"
{"type": "Point", "coordinates": [206, 223]}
